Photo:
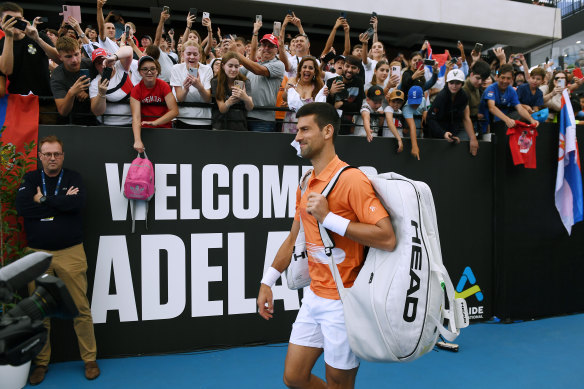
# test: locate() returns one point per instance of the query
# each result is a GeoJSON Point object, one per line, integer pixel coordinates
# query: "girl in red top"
{"type": "Point", "coordinates": [150, 90]}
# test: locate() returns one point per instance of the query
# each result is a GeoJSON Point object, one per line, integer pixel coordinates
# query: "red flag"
{"type": "Point", "coordinates": [19, 124]}
{"type": "Point", "coordinates": [19, 120]}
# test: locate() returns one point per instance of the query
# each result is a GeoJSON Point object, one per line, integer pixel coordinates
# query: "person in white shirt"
{"type": "Point", "coordinates": [191, 82]}
{"type": "Point", "coordinates": [111, 96]}
{"type": "Point", "coordinates": [106, 38]}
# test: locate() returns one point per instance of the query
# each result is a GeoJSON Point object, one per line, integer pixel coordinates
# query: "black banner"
{"type": "Point", "coordinates": [224, 203]}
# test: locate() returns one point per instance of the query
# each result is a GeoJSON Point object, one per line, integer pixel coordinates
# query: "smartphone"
{"type": "Point", "coordinates": [370, 32]}
{"type": "Point", "coordinates": [290, 12]}
{"type": "Point", "coordinates": [453, 60]}
{"type": "Point", "coordinates": [206, 15]}
{"type": "Point", "coordinates": [396, 70]}
{"type": "Point", "coordinates": [21, 25]}
{"type": "Point", "coordinates": [193, 11]}
{"type": "Point", "coordinates": [72, 10]}
{"type": "Point", "coordinates": [106, 73]}
{"type": "Point", "coordinates": [166, 9]}
{"type": "Point", "coordinates": [373, 14]}
{"type": "Point", "coordinates": [277, 28]}
{"type": "Point", "coordinates": [258, 18]}
{"type": "Point", "coordinates": [478, 48]}
{"type": "Point", "coordinates": [421, 65]}
{"type": "Point", "coordinates": [84, 72]}
{"type": "Point", "coordinates": [328, 57]}
{"type": "Point", "coordinates": [339, 79]}
{"type": "Point", "coordinates": [343, 15]}
{"type": "Point", "coordinates": [44, 19]}
{"type": "Point", "coordinates": [238, 84]}
{"type": "Point", "coordinates": [430, 62]}
{"type": "Point", "coordinates": [127, 31]}
{"type": "Point", "coordinates": [194, 72]}
{"type": "Point", "coordinates": [562, 83]}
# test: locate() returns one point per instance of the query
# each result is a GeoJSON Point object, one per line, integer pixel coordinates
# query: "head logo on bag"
{"type": "Point", "coordinates": [411, 305]}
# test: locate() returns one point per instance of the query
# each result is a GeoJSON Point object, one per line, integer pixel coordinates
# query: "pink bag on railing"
{"type": "Point", "coordinates": [139, 184]}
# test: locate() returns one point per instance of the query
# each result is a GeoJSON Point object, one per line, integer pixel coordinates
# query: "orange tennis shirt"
{"type": "Point", "coordinates": [353, 198]}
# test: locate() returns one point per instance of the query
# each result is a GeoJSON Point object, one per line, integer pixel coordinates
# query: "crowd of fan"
{"type": "Point", "coordinates": [105, 75]}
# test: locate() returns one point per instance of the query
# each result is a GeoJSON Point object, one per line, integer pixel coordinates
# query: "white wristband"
{"type": "Point", "coordinates": [270, 277]}
{"type": "Point", "coordinates": [336, 223]}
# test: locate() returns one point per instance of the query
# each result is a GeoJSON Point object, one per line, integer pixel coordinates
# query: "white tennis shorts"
{"type": "Point", "coordinates": [321, 323]}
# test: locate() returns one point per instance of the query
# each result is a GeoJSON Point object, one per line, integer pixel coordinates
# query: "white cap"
{"type": "Point", "coordinates": [455, 75]}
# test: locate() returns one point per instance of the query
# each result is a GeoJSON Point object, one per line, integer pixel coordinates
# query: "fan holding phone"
{"type": "Point", "coordinates": [191, 81]}
{"type": "Point", "coordinates": [231, 90]}
{"type": "Point", "coordinates": [30, 53]}
{"type": "Point", "coordinates": [110, 89]}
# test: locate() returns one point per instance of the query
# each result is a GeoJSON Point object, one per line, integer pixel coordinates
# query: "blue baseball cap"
{"type": "Point", "coordinates": [415, 95]}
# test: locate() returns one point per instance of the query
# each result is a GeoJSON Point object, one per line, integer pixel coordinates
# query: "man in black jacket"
{"type": "Point", "coordinates": [449, 117]}
{"type": "Point", "coordinates": [51, 201]}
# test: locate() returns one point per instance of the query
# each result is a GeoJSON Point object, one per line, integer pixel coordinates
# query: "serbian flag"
{"type": "Point", "coordinates": [440, 58]}
{"type": "Point", "coordinates": [569, 201]}
{"type": "Point", "coordinates": [19, 121]}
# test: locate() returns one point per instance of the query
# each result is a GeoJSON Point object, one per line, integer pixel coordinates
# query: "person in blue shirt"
{"type": "Point", "coordinates": [500, 100]}
{"type": "Point", "coordinates": [529, 94]}
{"type": "Point", "coordinates": [580, 114]}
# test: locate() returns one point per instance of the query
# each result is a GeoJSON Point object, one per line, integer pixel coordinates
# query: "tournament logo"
{"type": "Point", "coordinates": [476, 312]}
{"type": "Point", "coordinates": [31, 49]}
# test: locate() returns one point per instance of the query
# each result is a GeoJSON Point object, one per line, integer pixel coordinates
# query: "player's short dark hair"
{"type": "Point", "coordinates": [324, 114]}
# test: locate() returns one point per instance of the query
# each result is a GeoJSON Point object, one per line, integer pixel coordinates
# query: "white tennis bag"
{"type": "Point", "coordinates": [400, 301]}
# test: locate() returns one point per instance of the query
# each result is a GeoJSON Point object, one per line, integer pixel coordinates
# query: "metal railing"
{"type": "Point", "coordinates": [570, 7]}
{"type": "Point", "coordinates": [202, 105]}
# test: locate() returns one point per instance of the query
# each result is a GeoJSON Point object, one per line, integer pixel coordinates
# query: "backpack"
{"type": "Point", "coordinates": [400, 301]}
{"type": "Point", "coordinates": [139, 184]}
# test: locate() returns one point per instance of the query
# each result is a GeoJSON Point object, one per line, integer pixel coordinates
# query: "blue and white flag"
{"type": "Point", "coordinates": [569, 201]}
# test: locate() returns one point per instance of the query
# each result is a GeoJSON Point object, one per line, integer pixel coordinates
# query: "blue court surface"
{"type": "Point", "coordinates": [547, 353]}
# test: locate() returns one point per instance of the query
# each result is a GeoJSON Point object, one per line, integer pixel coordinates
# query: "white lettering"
{"type": "Point", "coordinates": [186, 194]}
{"type": "Point", "coordinates": [236, 301]}
{"type": "Point", "coordinates": [253, 175]}
{"type": "Point", "coordinates": [112, 254]}
{"type": "Point", "coordinates": [279, 194]}
{"type": "Point", "coordinates": [152, 308]}
{"type": "Point", "coordinates": [202, 274]}
{"type": "Point", "coordinates": [163, 191]}
{"type": "Point", "coordinates": [208, 189]}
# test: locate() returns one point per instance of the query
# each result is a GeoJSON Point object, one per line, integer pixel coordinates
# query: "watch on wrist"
{"type": "Point", "coordinates": [42, 199]}
{"type": "Point", "coordinates": [82, 35]}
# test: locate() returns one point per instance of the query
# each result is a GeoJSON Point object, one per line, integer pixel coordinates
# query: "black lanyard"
{"type": "Point", "coordinates": [45, 184]}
